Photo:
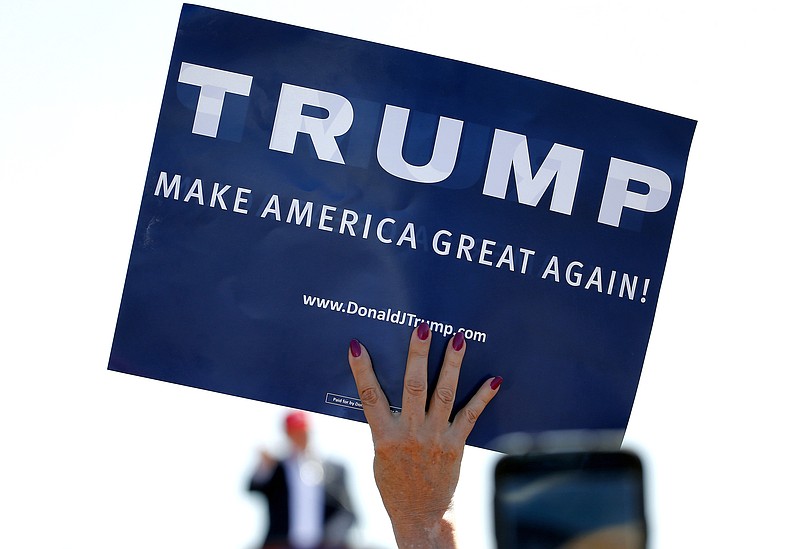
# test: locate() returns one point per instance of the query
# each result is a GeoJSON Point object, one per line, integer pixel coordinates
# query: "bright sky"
{"type": "Point", "coordinates": [95, 459]}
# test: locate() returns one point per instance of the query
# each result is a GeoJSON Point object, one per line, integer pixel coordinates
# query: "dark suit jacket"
{"type": "Point", "coordinates": [338, 516]}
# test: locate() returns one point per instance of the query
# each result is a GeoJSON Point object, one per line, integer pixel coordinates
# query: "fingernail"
{"type": "Point", "coordinates": [496, 381]}
{"type": "Point", "coordinates": [423, 331]}
{"type": "Point", "coordinates": [355, 348]}
{"type": "Point", "coordinates": [458, 341]}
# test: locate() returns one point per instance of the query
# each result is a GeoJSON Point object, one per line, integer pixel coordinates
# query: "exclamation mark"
{"type": "Point", "coordinates": [644, 290]}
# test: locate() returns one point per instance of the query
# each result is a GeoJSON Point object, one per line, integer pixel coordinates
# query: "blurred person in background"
{"type": "Point", "coordinates": [308, 504]}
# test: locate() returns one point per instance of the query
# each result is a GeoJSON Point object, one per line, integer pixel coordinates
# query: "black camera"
{"type": "Point", "coordinates": [570, 500]}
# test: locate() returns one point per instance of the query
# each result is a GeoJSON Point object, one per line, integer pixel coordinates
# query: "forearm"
{"type": "Point", "coordinates": [415, 535]}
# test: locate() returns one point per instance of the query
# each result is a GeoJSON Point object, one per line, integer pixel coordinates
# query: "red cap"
{"type": "Point", "coordinates": [297, 420]}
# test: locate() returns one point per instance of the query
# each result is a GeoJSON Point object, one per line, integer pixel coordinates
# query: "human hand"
{"type": "Point", "coordinates": [417, 451]}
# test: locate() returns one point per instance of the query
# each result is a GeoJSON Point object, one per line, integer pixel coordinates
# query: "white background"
{"type": "Point", "coordinates": [96, 459]}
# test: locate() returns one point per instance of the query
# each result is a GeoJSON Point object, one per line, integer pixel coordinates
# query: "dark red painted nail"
{"type": "Point", "coordinates": [458, 341]}
{"type": "Point", "coordinates": [423, 331]}
{"type": "Point", "coordinates": [355, 348]}
{"type": "Point", "coordinates": [496, 381]}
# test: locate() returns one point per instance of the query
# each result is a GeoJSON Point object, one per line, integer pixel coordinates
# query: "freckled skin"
{"type": "Point", "coordinates": [417, 476]}
{"type": "Point", "coordinates": [418, 452]}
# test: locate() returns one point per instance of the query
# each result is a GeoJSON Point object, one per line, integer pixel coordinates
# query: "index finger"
{"type": "Point", "coordinates": [374, 401]}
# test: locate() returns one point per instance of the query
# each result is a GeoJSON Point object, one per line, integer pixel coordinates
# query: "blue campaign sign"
{"type": "Point", "coordinates": [305, 189]}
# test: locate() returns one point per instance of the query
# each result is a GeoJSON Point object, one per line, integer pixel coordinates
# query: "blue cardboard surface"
{"type": "Point", "coordinates": [305, 189]}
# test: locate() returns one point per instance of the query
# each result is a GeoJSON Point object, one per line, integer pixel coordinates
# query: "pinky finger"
{"type": "Point", "coordinates": [466, 417]}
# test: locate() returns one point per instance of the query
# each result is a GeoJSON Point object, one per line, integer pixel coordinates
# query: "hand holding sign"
{"type": "Point", "coordinates": [418, 451]}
